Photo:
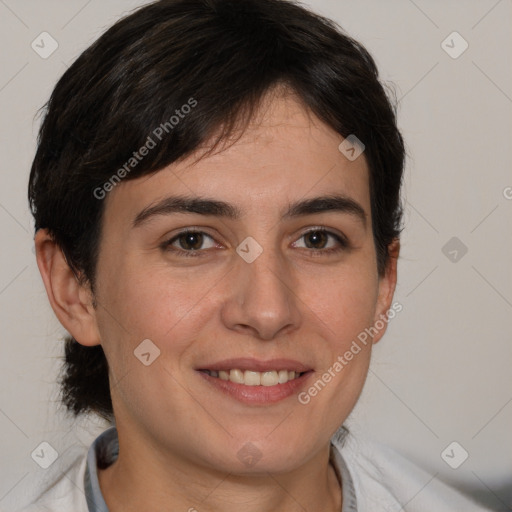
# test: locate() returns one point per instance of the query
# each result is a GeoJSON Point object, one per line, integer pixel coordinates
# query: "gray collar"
{"type": "Point", "coordinates": [105, 450]}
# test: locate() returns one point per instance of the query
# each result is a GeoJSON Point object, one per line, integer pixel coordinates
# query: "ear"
{"type": "Point", "coordinates": [71, 301]}
{"type": "Point", "coordinates": [387, 284]}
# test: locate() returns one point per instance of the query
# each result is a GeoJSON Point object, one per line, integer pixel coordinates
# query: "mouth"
{"type": "Point", "coordinates": [256, 382]}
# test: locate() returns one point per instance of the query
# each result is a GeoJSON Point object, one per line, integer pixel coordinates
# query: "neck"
{"type": "Point", "coordinates": [140, 481]}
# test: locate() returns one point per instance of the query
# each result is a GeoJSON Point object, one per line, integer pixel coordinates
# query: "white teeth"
{"type": "Point", "coordinates": [236, 376]}
{"type": "Point", "coordinates": [283, 376]}
{"type": "Point", "coordinates": [250, 378]}
{"type": "Point", "coordinates": [269, 378]}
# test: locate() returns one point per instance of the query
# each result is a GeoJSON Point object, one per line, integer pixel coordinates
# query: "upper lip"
{"type": "Point", "coordinates": [256, 365]}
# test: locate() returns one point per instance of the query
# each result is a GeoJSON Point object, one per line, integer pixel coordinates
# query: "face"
{"type": "Point", "coordinates": [268, 286]}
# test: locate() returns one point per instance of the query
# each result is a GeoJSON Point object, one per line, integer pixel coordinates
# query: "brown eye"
{"type": "Point", "coordinates": [189, 243]}
{"type": "Point", "coordinates": [192, 241]}
{"type": "Point", "coordinates": [319, 241]}
{"type": "Point", "coordinates": [316, 239]}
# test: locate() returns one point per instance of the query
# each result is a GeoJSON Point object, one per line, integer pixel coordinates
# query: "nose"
{"type": "Point", "coordinates": [262, 300]}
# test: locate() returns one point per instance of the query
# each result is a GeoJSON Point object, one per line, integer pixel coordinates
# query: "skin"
{"type": "Point", "coordinates": [178, 435]}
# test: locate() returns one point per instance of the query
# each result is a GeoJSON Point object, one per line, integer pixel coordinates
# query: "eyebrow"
{"type": "Point", "coordinates": [208, 206]}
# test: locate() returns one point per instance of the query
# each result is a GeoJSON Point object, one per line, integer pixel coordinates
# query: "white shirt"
{"type": "Point", "coordinates": [375, 478]}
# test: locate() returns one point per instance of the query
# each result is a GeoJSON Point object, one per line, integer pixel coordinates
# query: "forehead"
{"type": "Point", "coordinates": [284, 154]}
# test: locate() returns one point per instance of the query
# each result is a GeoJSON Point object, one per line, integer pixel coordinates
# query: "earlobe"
{"type": "Point", "coordinates": [387, 285]}
{"type": "Point", "coordinates": [70, 300]}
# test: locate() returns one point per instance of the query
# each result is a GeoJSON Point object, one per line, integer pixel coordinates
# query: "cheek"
{"type": "Point", "coordinates": [152, 304]}
{"type": "Point", "coordinates": [345, 303]}
{"type": "Point", "coordinates": [148, 305]}
{"type": "Point", "coordinates": [345, 308]}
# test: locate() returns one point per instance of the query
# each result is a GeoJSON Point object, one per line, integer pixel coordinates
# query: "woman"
{"type": "Point", "coordinates": [216, 193]}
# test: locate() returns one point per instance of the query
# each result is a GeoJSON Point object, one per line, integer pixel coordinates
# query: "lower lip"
{"type": "Point", "coordinates": [258, 395]}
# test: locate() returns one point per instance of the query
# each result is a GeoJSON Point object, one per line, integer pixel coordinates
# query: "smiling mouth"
{"type": "Point", "coordinates": [252, 378]}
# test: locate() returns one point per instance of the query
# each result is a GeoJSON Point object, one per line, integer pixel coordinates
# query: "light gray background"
{"type": "Point", "coordinates": [442, 372]}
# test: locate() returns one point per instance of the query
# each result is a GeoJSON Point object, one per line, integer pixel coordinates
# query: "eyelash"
{"type": "Point", "coordinates": [166, 246]}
